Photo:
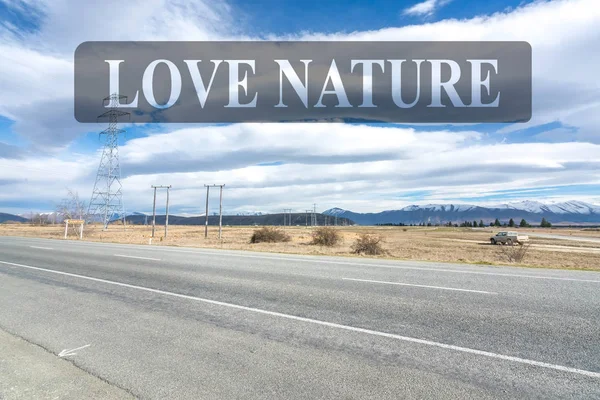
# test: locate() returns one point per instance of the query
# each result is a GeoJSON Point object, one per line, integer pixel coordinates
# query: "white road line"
{"type": "Point", "coordinates": [309, 260]}
{"type": "Point", "coordinates": [41, 248]}
{"type": "Point", "coordinates": [422, 286]}
{"type": "Point", "coordinates": [139, 258]}
{"type": "Point", "coordinates": [519, 360]}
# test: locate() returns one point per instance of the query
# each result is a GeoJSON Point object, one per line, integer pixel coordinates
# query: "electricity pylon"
{"type": "Point", "coordinates": [107, 198]}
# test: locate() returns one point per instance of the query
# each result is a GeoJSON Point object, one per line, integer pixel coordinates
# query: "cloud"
{"type": "Point", "coordinates": [426, 8]}
{"type": "Point", "coordinates": [10, 151]}
{"type": "Point", "coordinates": [352, 166]}
{"type": "Point", "coordinates": [234, 146]}
{"type": "Point", "coordinates": [357, 167]}
{"type": "Point", "coordinates": [36, 70]}
{"type": "Point", "coordinates": [36, 66]}
{"type": "Point", "coordinates": [565, 56]}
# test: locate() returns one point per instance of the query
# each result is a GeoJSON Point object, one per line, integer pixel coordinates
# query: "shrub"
{"type": "Point", "coordinates": [269, 234]}
{"type": "Point", "coordinates": [513, 254]}
{"type": "Point", "coordinates": [368, 244]}
{"type": "Point", "coordinates": [326, 236]}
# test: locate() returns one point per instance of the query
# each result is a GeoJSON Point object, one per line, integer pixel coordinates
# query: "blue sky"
{"type": "Point", "coordinates": [265, 17]}
{"type": "Point", "coordinates": [373, 167]}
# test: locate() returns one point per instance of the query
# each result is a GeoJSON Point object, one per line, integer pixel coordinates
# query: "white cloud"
{"type": "Point", "coordinates": [36, 68]}
{"type": "Point", "coordinates": [36, 72]}
{"type": "Point", "coordinates": [356, 167]}
{"type": "Point", "coordinates": [426, 8]}
{"type": "Point", "coordinates": [565, 39]}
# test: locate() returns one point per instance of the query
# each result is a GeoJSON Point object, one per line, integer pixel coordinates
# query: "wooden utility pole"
{"type": "Point", "coordinates": [154, 208]}
{"type": "Point", "coordinates": [154, 211]}
{"type": "Point", "coordinates": [220, 209]}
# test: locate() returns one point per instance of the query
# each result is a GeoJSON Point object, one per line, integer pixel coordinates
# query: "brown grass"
{"type": "Point", "coordinates": [412, 243]}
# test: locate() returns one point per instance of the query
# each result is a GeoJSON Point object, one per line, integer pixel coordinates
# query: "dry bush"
{"type": "Point", "coordinates": [326, 236]}
{"type": "Point", "coordinates": [269, 234]}
{"type": "Point", "coordinates": [368, 244]}
{"type": "Point", "coordinates": [513, 254]}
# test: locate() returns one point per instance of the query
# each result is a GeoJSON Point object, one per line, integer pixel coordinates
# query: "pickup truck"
{"type": "Point", "coordinates": [509, 238]}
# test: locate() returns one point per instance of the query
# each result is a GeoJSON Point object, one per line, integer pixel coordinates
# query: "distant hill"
{"type": "Point", "coordinates": [11, 218]}
{"type": "Point", "coordinates": [570, 212]}
{"type": "Point", "coordinates": [264, 219]}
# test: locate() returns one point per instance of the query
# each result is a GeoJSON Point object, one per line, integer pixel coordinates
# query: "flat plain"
{"type": "Point", "coordinates": [569, 248]}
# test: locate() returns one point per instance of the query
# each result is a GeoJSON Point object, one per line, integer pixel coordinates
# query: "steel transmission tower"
{"type": "Point", "coordinates": [107, 197]}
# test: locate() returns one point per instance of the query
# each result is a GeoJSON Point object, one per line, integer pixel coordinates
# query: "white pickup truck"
{"type": "Point", "coordinates": [509, 238]}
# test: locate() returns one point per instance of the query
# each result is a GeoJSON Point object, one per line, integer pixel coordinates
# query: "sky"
{"type": "Point", "coordinates": [554, 157]}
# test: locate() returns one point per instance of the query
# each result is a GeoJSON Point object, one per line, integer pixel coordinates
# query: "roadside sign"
{"type": "Point", "coordinates": [74, 222]}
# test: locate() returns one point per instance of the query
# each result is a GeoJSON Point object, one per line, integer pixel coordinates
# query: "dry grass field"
{"type": "Point", "coordinates": [407, 243]}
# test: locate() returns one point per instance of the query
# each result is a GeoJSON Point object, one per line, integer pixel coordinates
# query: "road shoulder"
{"type": "Point", "coordinates": [30, 372]}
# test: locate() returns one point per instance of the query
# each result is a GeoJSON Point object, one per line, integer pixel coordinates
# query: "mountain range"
{"type": "Point", "coordinates": [11, 218]}
{"type": "Point", "coordinates": [251, 219]}
{"type": "Point", "coordinates": [569, 212]}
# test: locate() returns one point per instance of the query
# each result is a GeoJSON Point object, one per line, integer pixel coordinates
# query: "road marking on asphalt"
{"type": "Point", "coordinates": [139, 258]}
{"type": "Point", "coordinates": [71, 352]}
{"type": "Point", "coordinates": [309, 260]}
{"type": "Point", "coordinates": [421, 286]}
{"type": "Point", "coordinates": [41, 248]}
{"type": "Point", "coordinates": [325, 323]}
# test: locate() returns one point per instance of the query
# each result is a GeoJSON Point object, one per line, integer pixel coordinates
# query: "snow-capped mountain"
{"type": "Point", "coordinates": [567, 207]}
{"type": "Point", "coordinates": [248, 213]}
{"type": "Point", "coordinates": [575, 212]}
{"type": "Point", "coordinates": [335, 211]}
{"type": "Point", "coordinates": [441, 207]}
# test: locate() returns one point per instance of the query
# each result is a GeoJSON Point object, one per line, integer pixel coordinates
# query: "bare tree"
{"type": "Point", "coordinates": [39, 219]}
{"type": "Point", "coordinates": [71, 207]}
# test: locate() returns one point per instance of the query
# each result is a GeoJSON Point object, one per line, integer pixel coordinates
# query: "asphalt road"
{"type": "Point", "coordinates": [164, 322]}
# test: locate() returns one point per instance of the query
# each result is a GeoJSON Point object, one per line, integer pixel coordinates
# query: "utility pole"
{"type": "Point", "coordinates": [220, 209]}
{"type": "Point", "coordinates": [154, 208]}
{"type": "Point", "coordinates": [154, 211]}
{"type": "Point", "coordinates": [307, 212]}
{"type": "Point", "coordinates": [206, 214]}
{"type": "Point", "coordinates": [167, 212]}
{"type": "Point", "coordinates": [287, 216]}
